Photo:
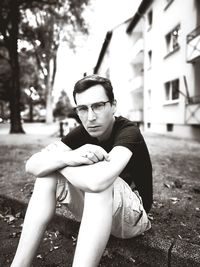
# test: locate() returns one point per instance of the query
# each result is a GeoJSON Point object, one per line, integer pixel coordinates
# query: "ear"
{"type": "Point", "coordinates": [114, 106]}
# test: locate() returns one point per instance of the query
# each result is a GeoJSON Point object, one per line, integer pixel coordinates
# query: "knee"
{"type": "Point", "coordinates": [43, 200]}
{"type": "Point", "coordinates": [102, 197]}
{"type": "Point", "coordinates": [45, 185]}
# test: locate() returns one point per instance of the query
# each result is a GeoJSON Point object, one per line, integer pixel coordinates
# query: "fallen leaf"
{"type": "Point", "coordinates": [18, 215]}
{"type": "Point", "coordinates": [150, 217]}
{"type": "Point", "coordinates": [39, 256]}
{"type": "Point", "coordinates": [167, 185]}
{"type": "Point", "coordinates": [107, 254]}
{"type": "Point", "coordinates": [10, 218]}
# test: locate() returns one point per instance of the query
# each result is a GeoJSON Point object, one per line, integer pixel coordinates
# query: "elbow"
{"type": "Point", "coordinates": [98, 186]}
{"type": "Point", "coordinates": [30, 167]}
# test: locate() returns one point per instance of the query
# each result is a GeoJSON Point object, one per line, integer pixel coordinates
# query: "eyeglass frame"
{"type": "Point", "coordinates": [92, 107]}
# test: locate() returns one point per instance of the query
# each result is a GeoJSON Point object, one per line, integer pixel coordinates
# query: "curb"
{"type": "Point", "coordinates": [150, 248]}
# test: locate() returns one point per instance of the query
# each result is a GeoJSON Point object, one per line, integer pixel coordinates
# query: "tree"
{"type": "Point", "coordinates": [9, 28]}
{"type": "Point", "coordinates": [10, 18]}
{"type": "Point", "coordinates": [63, 107]}
{"type": "Point", "coordinates": [44, 30]}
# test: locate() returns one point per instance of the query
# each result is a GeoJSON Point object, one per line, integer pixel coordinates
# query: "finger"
{"type": "Point", "coordinates": [103, 155]}
{"type": "Point", "coordinates": [99, 155]}
{"type": "Point", "coordinates": [90, 155]}
{"type": "Point", "coordinates": [86, 161]}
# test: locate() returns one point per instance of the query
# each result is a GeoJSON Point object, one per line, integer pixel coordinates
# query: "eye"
{"type": "Point", "coordinates": [98, 106]}
{"type": "Point", "coordinates": [82, 108]}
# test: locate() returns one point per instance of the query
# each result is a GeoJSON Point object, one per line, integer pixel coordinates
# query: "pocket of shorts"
{"type": "Point", "coordinates": [132, 217]}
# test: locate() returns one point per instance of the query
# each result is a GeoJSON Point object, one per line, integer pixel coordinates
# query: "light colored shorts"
{"type": "Point", "coordinates": [129, 216]}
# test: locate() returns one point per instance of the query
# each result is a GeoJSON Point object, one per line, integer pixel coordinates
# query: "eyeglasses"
{"type": "Point", "coordinates": [97, 108]}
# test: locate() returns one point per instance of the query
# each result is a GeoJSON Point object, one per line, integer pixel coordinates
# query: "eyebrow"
{"type": "Point", "coordinates": [91, 104]}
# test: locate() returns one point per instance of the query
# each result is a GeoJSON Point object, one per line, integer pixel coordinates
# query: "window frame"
{"type": "Point", "coordinates": [149, 19]}
{"type": "Point", "coordinates": [172, 44]}
{"type": "Point", "coordinates": [149, 56]}
{"type": "Point", "coordinates": [172, 91]}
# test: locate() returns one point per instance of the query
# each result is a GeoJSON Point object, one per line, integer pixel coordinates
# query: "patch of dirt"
{"type": "Point", "coordinates": [58, 244]}
{"type": "Point", "coordinates": [176, 168]}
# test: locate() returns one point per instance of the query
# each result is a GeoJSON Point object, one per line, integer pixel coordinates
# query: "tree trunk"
{"type": "Point", "coordinates": [49, 99]}
{"type": "Point", "coordinates": [15, 117]}
{"type": "Point", "coordinates": [30, 110]}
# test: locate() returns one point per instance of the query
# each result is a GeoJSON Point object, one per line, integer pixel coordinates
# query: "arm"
{"type": "Point", "coordinates": [99, 176]}
{"type": "Point", "coordinates": [58, 155]}
{"type": "Point", "coordinates": [49, 159]}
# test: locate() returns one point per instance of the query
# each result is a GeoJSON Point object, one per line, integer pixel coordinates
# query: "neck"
{"type": "Point", "coordinates": [108, 132]}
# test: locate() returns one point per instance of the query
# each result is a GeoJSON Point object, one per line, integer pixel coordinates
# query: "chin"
{"type": "Point", "coordinates": [96, 135]}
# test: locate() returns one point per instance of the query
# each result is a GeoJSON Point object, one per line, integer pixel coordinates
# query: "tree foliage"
{"type": "Point", "coordinates": [55, 20]}
{"type": "Point", "coordinates": [63, 106]}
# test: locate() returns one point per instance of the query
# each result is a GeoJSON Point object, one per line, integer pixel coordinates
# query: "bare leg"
{"type": "Point", "coordinates": [95, 228]}
{"type": "Point", "coordinates": [40, 210]}
{"type": "Point", "coordinates": [76, 199]}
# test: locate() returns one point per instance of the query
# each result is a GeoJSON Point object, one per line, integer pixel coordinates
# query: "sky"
{"type": "Point", "coordinates": [103, 15]}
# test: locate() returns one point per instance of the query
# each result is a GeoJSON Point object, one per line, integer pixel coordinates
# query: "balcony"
{"type": "Point", "coordinates": [137, 52]}
{"type": "Point", "coordinates": [136, 115]}
{"type": "Point", "coordinates": [193, 45]}
{"type": "Point", "coordinates": [193, 111]}
{"type": "Point", "coordinates": [137, 83]}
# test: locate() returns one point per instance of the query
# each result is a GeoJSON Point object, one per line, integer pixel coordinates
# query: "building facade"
{"type": "Point", "coordinates": [172, 68]}
{"type": "Point", "coordinates": [153, 61]}
{"type": "Point", "coordinates": [121, 60]}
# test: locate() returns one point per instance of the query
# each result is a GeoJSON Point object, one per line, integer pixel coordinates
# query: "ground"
{"type": "Point", "coordinates": [175, 212]}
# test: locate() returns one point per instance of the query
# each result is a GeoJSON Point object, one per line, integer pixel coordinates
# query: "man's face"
{"type": "Point", "coordinates": [98, 124]}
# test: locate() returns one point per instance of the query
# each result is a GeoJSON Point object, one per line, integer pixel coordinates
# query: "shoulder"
{"type": "Point", "coordinates": [127, 129]}
{"type": "Point", "coordinates": [75, 138]}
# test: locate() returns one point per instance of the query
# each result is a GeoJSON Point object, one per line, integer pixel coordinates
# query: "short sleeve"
{"type": "Point", "coordinates": [76, 138]}
{"type": "Point", "coordinates": [128, 135]}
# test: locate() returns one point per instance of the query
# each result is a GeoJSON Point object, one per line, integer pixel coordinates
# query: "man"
{"type": "Point", "coordinates": [106, 166]}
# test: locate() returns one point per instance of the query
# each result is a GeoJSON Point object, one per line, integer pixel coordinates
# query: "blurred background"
{"type": "Point", "coordinates": [150, 50]}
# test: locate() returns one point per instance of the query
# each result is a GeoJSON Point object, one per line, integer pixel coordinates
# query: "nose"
{"type": "Point", "coordinates": [91, 114]}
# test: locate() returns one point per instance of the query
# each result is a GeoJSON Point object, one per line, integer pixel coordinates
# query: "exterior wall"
{"type": "Point", "coordinates": [126, 76]}
{"type": "Point", "coordinates": [161, 115]}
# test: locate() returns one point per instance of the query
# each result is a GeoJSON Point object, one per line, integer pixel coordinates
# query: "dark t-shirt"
{"type": "Point", "coordinates": [138, 171]}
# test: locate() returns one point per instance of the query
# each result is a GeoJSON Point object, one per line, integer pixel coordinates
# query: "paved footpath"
{"type": "Point", "coordinates": [35, 133]}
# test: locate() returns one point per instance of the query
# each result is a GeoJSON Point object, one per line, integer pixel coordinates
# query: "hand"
{"type": "Point", "coordinates": [93, 152]}
{"type": "Point", "coordinates": [88, 154]}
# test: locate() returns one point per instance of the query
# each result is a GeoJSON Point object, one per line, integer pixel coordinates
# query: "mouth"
{"type": "Point", "coordinates": [93, 127]}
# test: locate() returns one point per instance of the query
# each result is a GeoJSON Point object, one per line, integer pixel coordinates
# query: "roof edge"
{"type": "Point", "coordinates": [139, 13]}
{"type": "Point", "coordinates": [103, 49]}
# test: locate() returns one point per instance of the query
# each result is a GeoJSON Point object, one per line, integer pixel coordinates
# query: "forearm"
{"type": "Point", "coordinates": [90, 178]}
{"type": "Point", "coordinates": [43, 163]}
{"type": "Point", "coordinates": [98, 176]}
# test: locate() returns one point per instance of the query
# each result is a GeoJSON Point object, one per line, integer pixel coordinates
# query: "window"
{"type": "Point", "coordinates": [149, 58]}
{"type": "Point", "coordinates": [150, 19]}
{"type": "Point", "coordinates": [172, 90]}
{"type": "Point", "coordinates": [148, 125]}
{"type": "Point", "coordinates": [169, 127]}
{"type": "Point", "coordinates": [149, 98]}
{"type": "Point", "coordinates": [172, 40]}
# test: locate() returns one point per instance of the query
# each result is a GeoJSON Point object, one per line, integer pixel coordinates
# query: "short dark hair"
{"type": "Point", "coordinates": [91, 80]}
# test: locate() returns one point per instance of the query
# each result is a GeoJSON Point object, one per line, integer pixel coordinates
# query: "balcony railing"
{"type": "Point", "coordinates": [193, 45]}
{"type": "Point", "coordinates": [194, 100]}
{"type": "Point", "coordinates": [193, 110]}
{"type": "Point", "coordinates": [193, 34]}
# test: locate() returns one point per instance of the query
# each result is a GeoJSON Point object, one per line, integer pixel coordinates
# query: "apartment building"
{"type": "Point", "coordinates": [121, 60]}
{"type": "Point", "coordinates": [172, 67]}
{"type": "Point", "coordinates": [153, 60]}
